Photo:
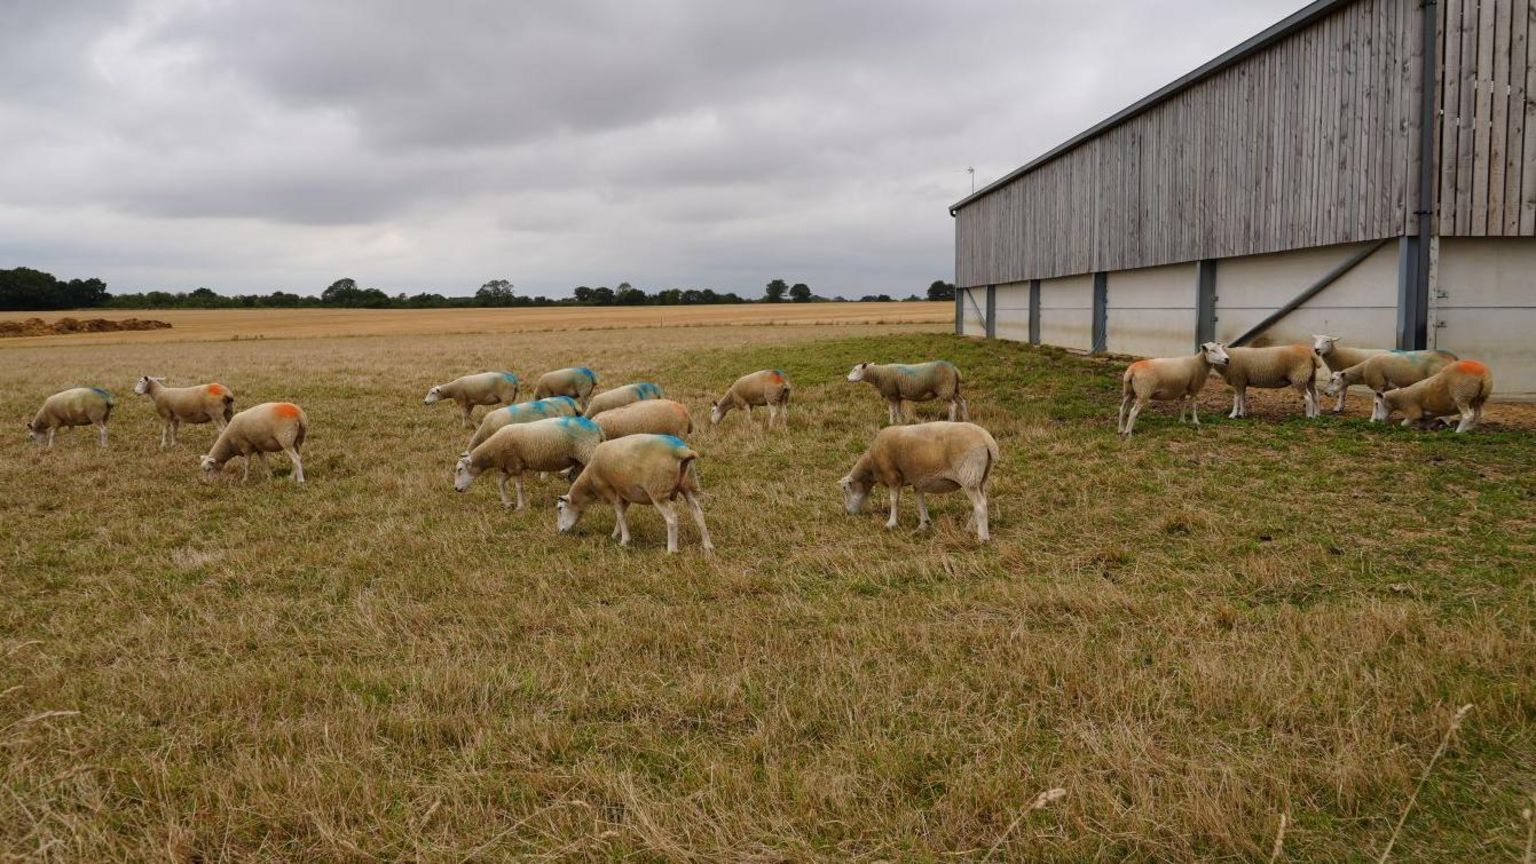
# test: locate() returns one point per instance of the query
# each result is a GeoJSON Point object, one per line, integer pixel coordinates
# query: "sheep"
{"type": "Point", "coordinates": [930, 457]}
{"type": "Point", "coordinates": [1460, 388]}
{"type": "Point", "coordinates": [899, 383]}
{"type": "Point", "coordinates": [204, 403]}
{"type": "Point", "coordinates": [1165, 378]}
{"type": "Point", "coordinates": [270, 427]}
{"type": "Point", "coordinates": [543, 445]}
{"type": "Point", "coordinates": [637, 469]}
{"type": "Point", "coordinates": [486, 388]}
{"type": "Point", "coordinates": [522, 412]}
{"type": "Point", "coordinates": [576, 382]}
{"type": "Point", "coordinates": [1293, 366]}
{"type": "Point", "coordinates": [768, 387]}
{"type": "Point", "coordinates": [1389, 370]}
{"type": "Point", "coordinates": [1338, 357]}
{"type": "Point", "coordinates": [621, 396]}
{"type": "Point", "coordinates": [77, 406]}
{"type": "Point", "coordinates": [649, 417]}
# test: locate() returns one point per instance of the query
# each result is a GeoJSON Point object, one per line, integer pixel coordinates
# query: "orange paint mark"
{"type": "Point", "coordinates": [286, 409]}
{"type": "Point", "coordinates": [1471, 367]}
{"type": "Point", "coordinates": [217, 389]}
{"type": "Point", "coordinates": [1140, 364]}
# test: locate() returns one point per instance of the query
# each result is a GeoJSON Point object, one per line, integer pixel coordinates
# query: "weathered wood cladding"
{"type": "Point", "coordinates": [1309, 141]}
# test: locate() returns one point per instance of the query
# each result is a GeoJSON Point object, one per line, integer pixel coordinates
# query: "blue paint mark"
{"type": "Point", "coordinates": [779, 372]}
{"type": "Point", "coordinates": [647, 390]}
{"type": "Point", "coordinates": [104, 394]}
{"type": "Point", "coordinates": [591, 376]}
{"type": "Point", "coordinates": [582, 423]}
{"type": "Point", "coordinates": [508, 376]}
{"type": "Point", "coordinates": [673, 441]}
{"type": "Point", "coordinates": [567, 401]}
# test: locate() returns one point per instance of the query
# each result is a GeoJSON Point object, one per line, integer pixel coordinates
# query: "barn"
{"type": "Point", "coordinates": [1363, 168]}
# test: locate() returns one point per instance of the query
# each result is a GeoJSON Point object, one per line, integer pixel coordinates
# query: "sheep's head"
{"type": "Point", "coordinates": [1322, 345]}
{"type": "Point", "coordinates": [1335, 383]}
{"type": "Point", "coordinates": [433, 395]}
{"type": "Point", "coordinates": [1215, 353]}
{"type": "Point", "coordinates": [567, 514]}
{"type": "Point", "coordinates": [1380, 410]}
{"type": "Point", "coordinates": [854, 493]}
{"type": "Point", "coordinates": [210, 466]}
{"type": "Point", "coordinates": [143, 386]}
{"type": "Point", "coordinates": [464, 473]}
{"type": "Point", "coordinates": [857, 373]}
{"type": "Point", "coordinates": [35, 434]}
{"type": "Point", "coordinates": [716, 413]}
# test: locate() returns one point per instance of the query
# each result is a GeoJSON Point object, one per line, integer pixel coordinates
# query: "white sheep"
{"type": "Point", "coordinates": [768, 387]}
{"type": "Point", "coordinates": [271, 427]}
{"type": "Point", "coordinates": [576, 382]}
{"type": "Point", "coordinates": [485, 388]}
{"type": "Point", "coordinates": [1460, 388]}
{"type": "Point", "coordinates": [203, 403]}
{"type": "Point", "coordinates": [637, 469]}
{"type": "Point", "coordinates": [1390, 370]}
{"type": "Point", "coordinates": [900, 383]}
{"type": "Point", "coordinates": [523, 412]}
{"type": "Point", "coordinates": [1339, 357]}
{"type": "Point", "coordinates": [1293, 366]}
{"type": "Point", "coordinates": [1166, 378]}
{"type": "Point", "coordinates": [648, 417]}
{"type": "Point", "coordinates": [77, 406]}
{"type": "Point", "coordinates": [618, 397]}
{"type": "Point", "coordinates": [543, 445]}
{"type": "Point", "coordinates": [930, 457]}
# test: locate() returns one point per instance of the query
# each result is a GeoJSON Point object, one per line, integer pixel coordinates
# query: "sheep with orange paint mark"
{"type": "Point", "coordinates": [1390, 370]}
{"type": "Point", "coordinates": [576, 382]}
{"type": "Point", "coordinates": [484, 388]}
{"type": "Point", "coordinates": [1165, 379]}
{"type": "Point", "coordinates": [77, 406]}
{"type": "Point", "coordinates": [647, 417]}
{"type": "Point", "coordinates": [555, 444]}
{"type": "Point", "coordinates": [618, 397]}
{"type": "Point", "coordinates": [1338, 358]}
{"type": "Point", "coordinates": [523, 412]}
{"type": "Point", "coordinates": [768, 388]}
{"type": "Point", "coordinates": [203, 403]}
{"type": "Point", "coordinates": [935, 457]}
{"type": "Point", "coordinates": [271, 427]}
{"type": "Point", "coordinates": [637, 469]}
{"type": "Point", "coordinates": [1460, 388]}
{"type": "Point", "coordinates": [1293, 366]}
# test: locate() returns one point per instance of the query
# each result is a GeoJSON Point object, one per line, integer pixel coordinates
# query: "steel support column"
{"type": "Point", "coordinates": [959, 311]}
{"type": "Point", "coordinates": [991, 311]}
{"type": "Point", "coordinates": [1205, 302]}
{"type": "Point", "coordinates": [1034, 311]}
{"type": "Point", "coordinates": [1100, 311]}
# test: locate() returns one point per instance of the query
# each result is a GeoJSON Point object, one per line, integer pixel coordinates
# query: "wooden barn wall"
{"type": "Point", "coordinates": [1306, 143]}
{"type": "Point", "coordinates": [1487, 78]}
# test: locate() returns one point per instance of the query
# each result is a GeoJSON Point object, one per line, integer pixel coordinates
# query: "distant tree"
{"type": "Point", "coordinates": [941, 290]}
{"type": "Point", "coordinates": [497, 292]}
{"type": "Point", "coordinates": [602, 295]}
{"type": "Point", "coordinates": [625, 295]}
{"type": "Point", "coordinates": [774, 291]}
{"type": "Point", "coordinates": [342, 292]}
{"type": "Point", "coordinates": [669, 297]}
{"type": "Point", "coordinates": [583, 294]}
{"type": "Point", "coordinates": [800, 293]}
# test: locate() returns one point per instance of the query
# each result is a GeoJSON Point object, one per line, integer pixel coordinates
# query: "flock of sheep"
{"type": "Point", "coordinates": [626, 445]}
{"type": "Point", "coordinates": [621, 446]}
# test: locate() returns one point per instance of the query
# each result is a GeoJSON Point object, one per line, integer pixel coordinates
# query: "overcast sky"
{"type": "Point", "coordinates": [431, 146]}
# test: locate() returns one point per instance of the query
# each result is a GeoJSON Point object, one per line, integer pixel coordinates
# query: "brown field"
{"type": "Point", "coordinates": [199, 325]}
{"type": "Point", "coordinates": [1192, 633]}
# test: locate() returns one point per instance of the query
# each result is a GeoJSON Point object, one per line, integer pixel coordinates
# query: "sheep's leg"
{"type": "Point", "coordinates": [1309, 400]}
{"type": "Point", "coordinates": [1237, 403]}
{"type": "Point", "coordinates": [175, 428]}
{"type": "Point", "coordinates": [890, 412]}
{"type": "Point", "coordinates": [266, 467]}
{"type": "Point", "coordinates": [468, 409]}
{"type": "Point", "coordinates": [895, 499]}
{"type": "Point", "coordinates": [51, 430]}
{"type": "Point", "coordinates": [298, 464]}
{"type": "Point", "coordinates": [165, 431]}
{"type": "Point", "coordinates": [1130, 419]}
{"type": "Point", "coordinates": [246, 475]}
{"type": "Point", "coordinates": [668, 512]}
{"type": "Point", "coordinates": [1125, 407]}
{"type": "Point", "coordinates": [518, 480]}
{"type": "Point", "coordinates": [698, 519]}
{"type": "Point", "coordinates": [101, 434]}
{"type": "Point", "coordinates": [1338, 407]}
{"type": "Point", "coordinates": [922, 510]}
{"type": "Point", "coordinates": [773, 414]}
{"type": "Point", "coordinates": [1468, 418]}
{"type": "Point", "coordinates": [979, 513]}
{"type": "Point", "coordinates": [619, 508]}
{"type": "Point", "coordinates": [749, 413]}
{"type": "Point", "coordinates": [501, 489]}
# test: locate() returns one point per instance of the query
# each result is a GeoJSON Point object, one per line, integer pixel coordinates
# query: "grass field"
{"type": "Point", "coordinates": [1192, 633]}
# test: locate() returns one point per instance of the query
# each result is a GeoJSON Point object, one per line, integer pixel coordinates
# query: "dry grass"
{"type": "Point", "coordinates": [1190, 633]}
{"type": "Point", "coordinates": [197, 325]}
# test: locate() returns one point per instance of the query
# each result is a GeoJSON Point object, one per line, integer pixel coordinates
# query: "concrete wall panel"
{"type": "Point", "coordinates": [1361, 307]}
{"type": "Point", "coordinates": [1485, 302]}
{"type": "Point", "coordinates": [1066, 312]}
{"type": "Point", "coordinates": [1152, 311]}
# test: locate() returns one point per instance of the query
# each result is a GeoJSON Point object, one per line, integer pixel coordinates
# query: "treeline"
{"type": "Point", "coordinates": [24, 289]}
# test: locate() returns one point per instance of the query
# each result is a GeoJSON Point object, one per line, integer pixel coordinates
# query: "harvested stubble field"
{"type": "Point", "coordinates": [1191, 633]}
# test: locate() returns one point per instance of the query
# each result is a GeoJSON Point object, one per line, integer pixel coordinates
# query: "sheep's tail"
{"type": "Point", "coordinates": [685, 458]}
{"type": "Point", "coordinates": [784, 395]}
{"type": "Point", "coordinates": [993, 454]}
{"type": "Point", "coordinates": [229, 407]}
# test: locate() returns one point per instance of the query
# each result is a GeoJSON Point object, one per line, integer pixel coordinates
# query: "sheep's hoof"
{"type": "Point", "coordinates": [709, 549]}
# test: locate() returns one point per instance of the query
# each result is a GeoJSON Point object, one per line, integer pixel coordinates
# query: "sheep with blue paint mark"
{"type": "Point", "coordinates": [1390, 370]}
{"type": "Point", "coordinates": [618, 397]}
{"type": "Point", "coordinates": [523, 412]}
{"type": "Point", "coordinates": [485, 388]}
{"type": "Point", "coordinates": [769, 388]}
{"type": "Point", "coordinates": [77, 406]}
{"type": "Point", "coordinates": [901, 383]}
{"type": "Point", "coordinates": [543, 445]}
{"type": "Point", "coordinates": [637, 469]}
{"type": "Point", "coordinates": [1340, 357]}
{"type": "Point", "coordinates": [576, 382]}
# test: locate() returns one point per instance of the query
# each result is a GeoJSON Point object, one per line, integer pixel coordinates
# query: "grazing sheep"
{"type": "Point", "coordinates": [1165, 378]}
{"type": "Point", "coordinates": [650, 417]}
{"type": "Point", "coordinates": [486, 388]}
{"type": "Point", "coordinates": [270, 427]}
{"type": "Point", "coordinates": [1460, 388]}
{"type": "Point", "coordinates": [618, 397]}
{"type": "Point", "coordinates": [930, 457]}
{"type": "Point", "coordinates": [637, 469]}
{"type": "Point", "coordinates": [576, 382]}
{"type": "Point", "coordinates": [1338, 357]}
{"type": "Point", "coordinates": [900, 383]}
{"type": "Point", "coordinates": [1390, 370]}
{"type": "Point", "coordinates": [78, 406]}
{"type": "Point", "coordinates": [205, 403]}
{"type": "Point", "coordinates": [522, 412]}
{"type": "Point", "coordinates": [768, 387]}
{"type": "Point", "coordinates": [1293, 366]}
{"type": "Point", "coordinates": [543, 445]}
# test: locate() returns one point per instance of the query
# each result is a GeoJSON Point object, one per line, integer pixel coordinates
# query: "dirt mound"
{"type": "Point", "coordinates": [39, 327]}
